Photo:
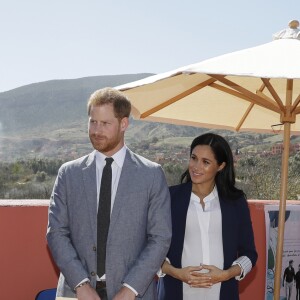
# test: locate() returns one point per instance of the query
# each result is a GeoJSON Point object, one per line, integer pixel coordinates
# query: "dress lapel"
{"type": "Point", "coordinates": [228, 230]}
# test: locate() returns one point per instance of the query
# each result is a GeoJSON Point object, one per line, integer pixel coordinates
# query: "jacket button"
{"type": "Point", "coordinates": [93, 273]}
{"type": "Point", "coordinates": [94, 248]}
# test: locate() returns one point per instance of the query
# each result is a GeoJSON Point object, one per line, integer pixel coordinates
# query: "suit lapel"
{"type": "Point", "coordinates": [127, 173]}
{"type": "Point", "coordinates": [90, 187]}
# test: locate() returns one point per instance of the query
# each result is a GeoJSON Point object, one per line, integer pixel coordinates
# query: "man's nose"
{"type": "Point", "coordinates": [98, 128]}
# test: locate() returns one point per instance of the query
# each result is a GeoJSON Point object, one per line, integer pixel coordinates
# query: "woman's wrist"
{"type": "Point", "coordinates": [232, 272]}
{"type": "Point", "coordinates": [170, 270]}
{"type": "Point", "coordinates": [175, 272]}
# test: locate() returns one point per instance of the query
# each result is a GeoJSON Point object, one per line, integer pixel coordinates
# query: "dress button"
{"type": "Point", "coordinates": [93, 273]}
{"type": "Point", "coordinates": [94, 248]}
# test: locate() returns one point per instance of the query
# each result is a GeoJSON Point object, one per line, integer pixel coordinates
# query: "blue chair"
{"type": "Point", "coordinates": [48, 294]}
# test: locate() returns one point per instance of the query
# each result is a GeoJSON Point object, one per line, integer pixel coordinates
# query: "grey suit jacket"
{"type": "Point", "coordinates": [139, 233]}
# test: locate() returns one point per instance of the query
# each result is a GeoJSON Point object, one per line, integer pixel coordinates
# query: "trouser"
{"type": "Point", "coordinates": [288, 290]}
{"type": "Point", "coordinates": [101, 290]}
{"type": "Point", "coordinates": [298, 293]}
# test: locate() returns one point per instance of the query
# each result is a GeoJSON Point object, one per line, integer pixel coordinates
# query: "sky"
{"type": "Point", "coordinates": [63, 39]}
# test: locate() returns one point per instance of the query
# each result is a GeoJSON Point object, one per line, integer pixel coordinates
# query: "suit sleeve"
{"type": "Point", "coordinates": [158, 234]}
{"type": "Point", "coordinates": [59, 234]}
{"type": "Point", "coordinates": [246, 246]}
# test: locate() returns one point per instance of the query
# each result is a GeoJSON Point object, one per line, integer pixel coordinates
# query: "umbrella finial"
{"type": "Point", "coordinates": [292, 32]}
{"type": "Point", "coordinates": [294, 24]}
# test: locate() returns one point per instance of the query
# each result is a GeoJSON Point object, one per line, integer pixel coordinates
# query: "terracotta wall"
{"type": "Point", "coordinates": [253, 286]}
{"type": "Point", "coordinates": [27, 267]}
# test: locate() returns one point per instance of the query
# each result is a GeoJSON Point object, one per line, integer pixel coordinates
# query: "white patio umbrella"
{"type": "Point", "coordinates": [256, 89]}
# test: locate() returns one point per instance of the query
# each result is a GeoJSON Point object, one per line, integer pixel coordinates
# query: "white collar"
{"type": "Point", "coordinates": [118, 157]}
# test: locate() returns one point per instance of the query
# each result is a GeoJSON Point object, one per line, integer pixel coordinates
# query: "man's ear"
{"type": "Point", "coordinates": [124, 123]}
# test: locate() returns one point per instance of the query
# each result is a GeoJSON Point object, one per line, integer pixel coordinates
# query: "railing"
{"type": "Point", "coordinates": [27, 266]}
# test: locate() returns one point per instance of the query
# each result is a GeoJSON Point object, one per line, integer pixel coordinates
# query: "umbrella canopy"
{"type": "Point", "coordinates": [256, 89]}
{"type": "Point", "coordinates": [244, 90]}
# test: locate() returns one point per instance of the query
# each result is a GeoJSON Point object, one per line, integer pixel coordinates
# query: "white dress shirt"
{"type": "Point", "coordinates": [206, 224]}
{"type": "Point", "coordinates": [116, 169]}
{"type": "Point", "coordinates": [207, 248]}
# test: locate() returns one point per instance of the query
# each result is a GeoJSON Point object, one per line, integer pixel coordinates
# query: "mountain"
{"type": "Point", "coordinates": [49, 118]}
{"type": "Point", "coordinates": [45, 124]}
{"type": "Point", "coordinates": [41, 107]}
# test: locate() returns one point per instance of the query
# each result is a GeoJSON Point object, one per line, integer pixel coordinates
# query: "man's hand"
{"type": "Point", "coordinates": [124, 294]}
{"type": "Point", "coordinates": [86, 292]}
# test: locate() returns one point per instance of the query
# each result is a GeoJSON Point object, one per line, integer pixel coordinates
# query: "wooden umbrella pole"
{"type": "Point", "coordinates": [287, 118]}
{"type": "Point", "coordinates": [282, 208]}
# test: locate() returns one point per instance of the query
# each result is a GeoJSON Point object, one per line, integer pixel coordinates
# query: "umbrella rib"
{"type": "Point", "coordinates": [297, 110]}
{"type": "Point", "coordinates": [248, 95]}
{"type": "Point", "coordinates": [242, 96]}
{"type": "Point", "coordinates": [272, 91]}
{"type": "Point", "coordinates": [244, 117]}
{"type": "Point", "coordinates": [266, 98]}
{"type": "Point", "coordinates": [177, 98]}
{"type": "Point", "coordinates": [296, 104]}
{"type": "Point", "coordinates": [229, 91]}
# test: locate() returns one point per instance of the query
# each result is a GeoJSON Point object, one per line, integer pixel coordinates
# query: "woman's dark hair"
{"type": "Point", "coordinates": [225, 179]}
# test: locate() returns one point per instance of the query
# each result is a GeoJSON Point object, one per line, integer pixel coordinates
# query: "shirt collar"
{"type": "Point", "coordinates": [118, 157]}
{"type": "Point", "coordinates": [210, 201]}
{"type": "Point", "coordinates": [212, 196]}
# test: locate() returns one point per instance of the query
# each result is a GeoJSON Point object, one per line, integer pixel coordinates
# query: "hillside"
{"type": "Point", "coordinates": [48, 119]}
{"type": "Point", "coordinates": [41, 107]}
{"type": "Point", "coordinates": [44, 124]}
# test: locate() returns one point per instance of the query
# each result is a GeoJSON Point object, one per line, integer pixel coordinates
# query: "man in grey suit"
{"type": "Point", "coordinates": [139, 231]}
